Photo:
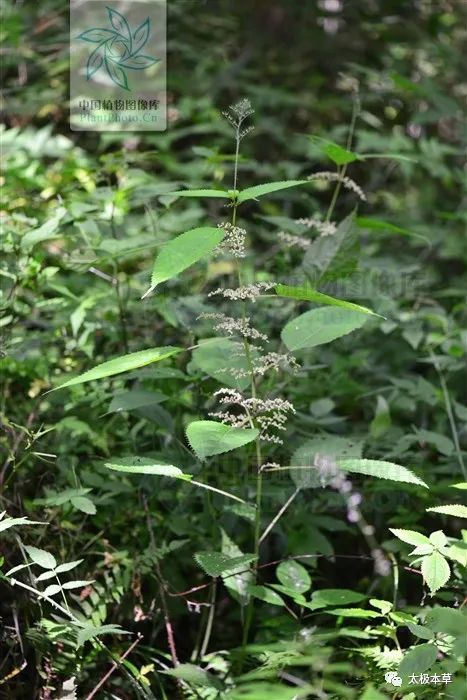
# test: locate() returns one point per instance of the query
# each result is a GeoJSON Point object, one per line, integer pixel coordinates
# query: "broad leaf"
{"type": "Point", "coordinates": [436, 571]}
{"type": "Point", "coordinates": [208, 437]}
{"type": "Point", "coordinates": [236, 580]}
{"type": "Point", "coordinates": [410, 536]}
{"type": "Point", "coordinates": [266, 594]}
{"type": "Point", "coordinates": [182, 252]}
{"type": "Point", "coordinates": [381, 470]}
{"type": "Point", "coordinates": [457, 510]}
{"type": "Point", "coordinates": [267, 188]}
{"type": "Point", "coordinates": [216, 563]}
{"type": "Point", "coordinates": [293, 576]}
{"type": "Point", "coordinates": [330, 597]}
{"type": "Point", "coordinates": [309, 294]}
{"type": "Point", "coordinates": [41, 557]}
{"type": "Point", "coordinates": [125, 363]}
{"type": "Point", "coordinates": [320, 326]}
{"type": "Point", "coordinates": [418, 660]}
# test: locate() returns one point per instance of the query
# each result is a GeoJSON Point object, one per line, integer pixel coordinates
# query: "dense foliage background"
{"type": "Point", "coordinates": [335, 600]}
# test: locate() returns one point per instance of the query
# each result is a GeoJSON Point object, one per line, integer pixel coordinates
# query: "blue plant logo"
{"type": "Point", "coordinates": [118, 49]}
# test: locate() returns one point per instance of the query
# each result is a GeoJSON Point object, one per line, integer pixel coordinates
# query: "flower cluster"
{"type": "Point", "coordinates": [324, 228]}
{"type": "Point", "coordinates": [234, 326]}
{"type": "Point", "coordinates": [234, 241]}
{"type": "Point", "coordinates": [236, 115]}
{"type": "Point", "coordinates": [347, 182]}
{"type": "Point", "coordinates": [248, 291]}
{"type": "Point", "coordinates": [267, 414]}
{"type": "Point", "coordinates": [290, 240]}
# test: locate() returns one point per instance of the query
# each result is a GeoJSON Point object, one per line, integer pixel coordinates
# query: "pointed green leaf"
{"type": "Point", "coordinates": [309, 294]}
{"type": "Point", "coordinates": [457, 510]}
{"type": "Point", "coordinates": [320, 326]}
{"type": "Point", "coordinates": [436, 571]}
{"type": "Point", "coordinates": [208, 437]}
{"type": "Point", "coordinates": [336, 153]}
{"type": "Point", "coordinates": [124, 363]}
{"type": "Point", "coordinates": [199, 193]}
{"type": "Point", "coordinates": [294, 576]}
{"type": "Point", "coordinates": [267, 188]}
{"type": "Point", "coordinates": [41, 557]}
{"type": "Point", "coordinates": [381, 470]}
{"type": "Point", "coordinates": [144, 465]}
{"type": "Point", "coordinates": [354, 612]}
{"type": "Point", "coordinates": [330, 597]}
{"type": "Point", "coordinates": [85, 505]}
{"type": "Point", "coordinates": [418, 660]}
{"type": "Point", "coordinates": [52, 590]}
{"type": "Point", "coordinates": [266, 594]}
{"type": "Point", "coordinates": [90, 632]}
{"type": "Point", "coordinates": [216, 563]}
{"type": "Point", "coordinates": [410, 536]}
{"type": "Point", "coordinates": [68, 566]}
{"type": "Point", "coordinates": [182, 252]}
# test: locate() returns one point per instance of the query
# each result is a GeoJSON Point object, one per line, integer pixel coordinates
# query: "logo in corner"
{"type": "Point", "coordinates": [118, 48]}
{"type": "Point", "coordinates": [393, 678]}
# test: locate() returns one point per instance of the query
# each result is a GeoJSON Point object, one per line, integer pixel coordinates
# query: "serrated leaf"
{"type": "Point", "coordinates": [420, 631]}
{"type": "Point", "coordinates": [266, 594]}
{"type": "Point", "coordinates": [410, 536]}
{"type": "Point", "coordinates": [309, 294]}
{"type": "Point", "coordinates": [124, 363]}
{"type": "Point", "coordinates": [457, 510]}
{"type": "Point", "coordinates": [200, 193]}
{"type": "Point", "coordinates": [381, 470]}
{"type": "Point", "coordinates": [383, 605]}
{"type": "Point", "coordinates": [144, 465]}
{"type": "Point", "coordinates": [212, 438]}
{"type": "Point", "coordinates": [90, 632]}
{"type": "Point", "coordinates": [182, 252]}
{"type": "Point", "coordinates": [435, 570]}
{"type": "Point", "coordinates": [83, 504]}
{"type": "Point", "coordinates": [320, 326]}
{"type": "Point", "coordinates": [418, 660]}
{"type": "Point", "coordinates": [216, 563]}
{"type": "Point", "coordinates": [41, 557]}
{"type": "Point", "coordinates": [267, 188]}
{"type": "Point", "coordinates": [293, 576]}
{"type": "Point", "coordinates": [195, 676]}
